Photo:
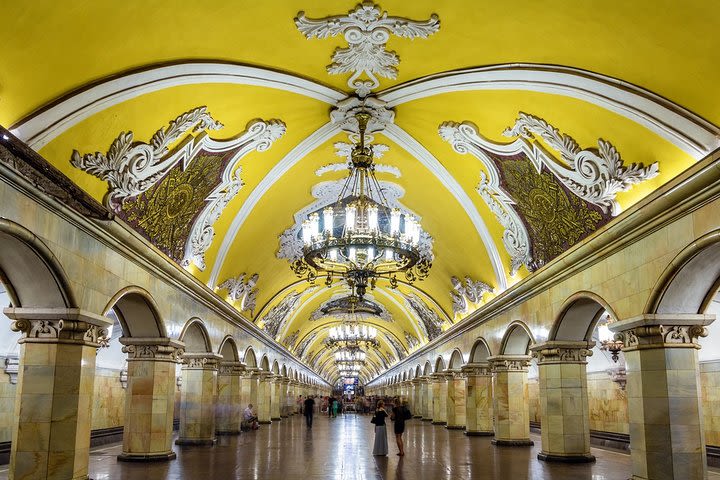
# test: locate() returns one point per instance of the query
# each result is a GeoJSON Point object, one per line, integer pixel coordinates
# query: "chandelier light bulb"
{"type": "Point", "coordinates": [350, 211]}
{"type": "Point", "coordinates": [307, 232]}
{"type": "Point", "coordinates": [373, 224]}
{"type": "Point", "coordinates": [395, 222]}
{"type": "Point", "coordinates": [604, 333]}
{"type": "Point", "coordinates": [333, 254]}
{"type": "Point", "coordinates": [352, 256]}
{"type": "Point", "coordinates": [328, 220]}
{"type": "Point", "coordinates": [315, 224]}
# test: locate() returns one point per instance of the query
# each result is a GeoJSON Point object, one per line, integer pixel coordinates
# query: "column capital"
{"type": "Point", "coordinates": [477, 369]}
{"type": "Point", "coordinates": [509, 363]}
{"type": "Point", "coordinates": [59, 325]}
{"type": "Point", "coordinates": [416, 381]}
{"type": "Point", "coordinates": [452, 373]}
{"type": "Point", "coordinates": [201, 361]}
{"type": "Point", "coordinates": [661, 331]}
{"type": "Point", "coordinates": [159, 349]}
{"type": "Point", "coordinates": [231, 368]}
{"type": "Point", "coordinates": [440, 376]}
{"type": "Point", "coordinates": [562, 351]}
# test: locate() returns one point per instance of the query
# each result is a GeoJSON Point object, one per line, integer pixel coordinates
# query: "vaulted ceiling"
{"type": "Point", "coordinates": [513, 132]}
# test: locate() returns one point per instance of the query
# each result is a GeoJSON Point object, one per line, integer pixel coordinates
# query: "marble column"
{"type": "Point", "coordinates": [478, 399]}
{"type": "Point", "coordinates": [229, 409]}
{"type": "Point", "coordinates": [510, 400]}
{"type": "Point", "coordinates": [149, 398]}
{"type": "Point", "coordinates": [427, 399]}
{"type": "Point", "coordinates": [564, 408]}
{"type": "Point", "coordinates": [276, 398]}
{"type": "Point", "coordinates": [248, 388]}
{"type": "Point", "coordinates": [264, 399]}
{"type": "Point", "coordinates": [284, 402]}
{"type": "Point", "coordinates": [197, 399]}
{"type": "Point", "coordinates": [667, 438]}
{"type": "Point", "coordinates": [456, 400]}
{"type": "Point", "coordinates": [416, 408]}
{"type": "Point", "coordinates": [54, 396]}
{"type": "Point", "coordinates": [439, 398]}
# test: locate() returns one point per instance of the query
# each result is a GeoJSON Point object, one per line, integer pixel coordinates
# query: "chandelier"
{"type": "Point", "coordinates": [352, 337]}
{"type": "Point", "coordinates": [361, 238]}
{"type": "Point", "coordinates": [608, 342]}
{"type": "Point", "coordinates": [348, 355]}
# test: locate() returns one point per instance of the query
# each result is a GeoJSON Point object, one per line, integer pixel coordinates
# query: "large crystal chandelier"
{"type": "Point", "coordinates": [349, 355]}
{"type": "Point", "coordinates": [360, 238]}
{"type": "Point", "coordinates": [348, 336]}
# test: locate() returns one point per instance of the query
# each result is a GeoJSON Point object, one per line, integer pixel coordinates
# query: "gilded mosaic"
{"type": "Point", "coordinates": [165, 213]}
{"type": "Point", "coordinates": [555, 218]}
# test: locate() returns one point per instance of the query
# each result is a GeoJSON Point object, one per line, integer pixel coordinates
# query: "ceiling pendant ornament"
{"type": "Point", "coordinates": [347, 308]}
{"type": "Point", "coordinates": [464, 139]}
{"type": "Point", "coordinates": [466, 293]}
{"type": "Point", "coordinates": [594, 174]}
{"type": "Point", "coordinates": [367, 31]}
{"type": "Point", "coordinates": [242, 292]}
{"type": "Point", "coordinates": [362, 239]}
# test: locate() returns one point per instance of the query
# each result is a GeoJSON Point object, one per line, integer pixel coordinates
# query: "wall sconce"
{"type": "Point", "coordinates": [178, 382]}
{"type": "Point", "coordinates": [608, 342]}
{"type": "Point", "coordinates": [124, 378]}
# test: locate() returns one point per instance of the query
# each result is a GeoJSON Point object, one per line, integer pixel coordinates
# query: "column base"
{"type": "Point", "coordinates": [196, 441]}
{"type": "Point", "coordinates": [439, 423]}
{"type": "Point", "coordinates": [417, 416]}
{"type": "Point", "coordinates": [566, 458]}
{"type": "Point", "coordinates": [427, 419]}
{"type": "Point", "coordinates": [283, 416]}
{"type": "Point", "coordinates": [455, 427]}
{"type": "Point", "coordinates": [512, 443]}
{"type": "Point", "coordinates": [479, 433]}
{"type": "Point", "coordinates": [264, 422]}
{"type": "Point", "coordinates": [227, 432]}
{"type": "Point", "coordinates": [150, 457]}
{"type": "Point", "coordinates": [276, 419]}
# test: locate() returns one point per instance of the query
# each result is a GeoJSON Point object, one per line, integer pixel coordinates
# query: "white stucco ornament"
{"type": "Point", "coordinates": [367, 32]}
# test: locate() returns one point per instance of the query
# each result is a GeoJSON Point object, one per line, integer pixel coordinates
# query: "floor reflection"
{"type": "Point", "coordinates": [341, 448]}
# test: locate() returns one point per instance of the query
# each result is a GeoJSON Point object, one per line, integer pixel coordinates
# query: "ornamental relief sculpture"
{"type": "Point", "coordinates": [467, 293]}
{"type": "Point", "coordinates": [242, 292]}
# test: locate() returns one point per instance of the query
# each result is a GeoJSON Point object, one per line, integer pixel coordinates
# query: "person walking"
{"type": "Point", "coordinates": [400, 413]}
{"type": "Point", "coordinates": [380, 447]}
{"type": "Point", "coordinates": [335, 406]}
{"type": "Point", "coordinates": [309, 410]}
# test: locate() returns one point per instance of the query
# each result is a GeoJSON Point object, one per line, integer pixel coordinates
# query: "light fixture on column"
{"type": "Point", "coordinates": [360, 238]}
{"type": "Point", "coordinates": [607, 339]}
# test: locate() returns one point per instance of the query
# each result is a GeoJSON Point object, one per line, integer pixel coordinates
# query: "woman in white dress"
{"type": "Point", "coordinates": [381, 442]}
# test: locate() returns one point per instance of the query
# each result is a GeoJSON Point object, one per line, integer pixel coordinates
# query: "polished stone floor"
{"type": "Point", "coordinates": [341, 449]}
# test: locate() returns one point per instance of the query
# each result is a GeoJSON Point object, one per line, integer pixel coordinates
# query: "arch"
{"type": "Point", "coordinates": [196, 337]}
{"type": "Point", "coordinates": [265, 363]}
{"type": "Point", "coordinates": [276, 368]}
{"type": "Point", "coordinates": [480, 351]}
{"type": "Point", "coordinates": [410, 374]}
{"type": "Point", "coordinates": [578, 317]}
{"type": "Point", "coordinates": [418, 371]}
{"type": "Point", "coordinates": [30, 272]}
{"type": "Point", "coordinates": [284, 371]}
{"type": "Point", "coordinates": [690, 281]}
{"type": "Point", "coordinates": [517, 339]}
{"type": "Point", "coordinates": [439, 364]}
{"type": "Point", "coordinates": [249, 358]}
{"type": "Point", "coordinates": [228, 349]}
{"type": "Point", "coordinates": [427, 369]}
{"type": "Point", "coordinates": [404, 376]}
{"type": "Point", "coordinates": [137, 312]}
{"type": "Point", "coordinates": [456, 360]}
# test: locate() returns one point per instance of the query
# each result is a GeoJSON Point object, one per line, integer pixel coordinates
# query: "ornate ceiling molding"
{"type": "Point", "coordinates": [686, 130]}
{"type": "Point", "coordinates": [367, 31]}
{"type": "Point", "coordinates": [41, 127]}
{"type": "Point", "coordinates": [339, 306]}
{"type": "Point", "coordinates": [132, 168]}
{"type": "Point", "coordinates": [430, 321]}
{"type": "Point", "coordinates": [242, 291]}
{"type": "Point", "coordinates": [468, 292]}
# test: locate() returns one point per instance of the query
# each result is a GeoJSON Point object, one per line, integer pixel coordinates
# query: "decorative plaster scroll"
{"type": "Point", "coordinates": [562, 354]}
{"type": "Point", "coordinates": [273, 320]}
{"type": "Point", "coordinates": [400, 350]}
{"type": "Point", "coordinates": [465, 293]}
{"type": "Point", "coordinates": [167, 352]}
{"type": "Point", "coordinates": [339, 167]}
{"type": "Point", "coordinates": [595, 175]}
{"type": "Point", "coordinates": [327, 193]}
{"type": "Point", "coordinates": [430, 322]}
{"type": "Point", "coordinates": [242, 291]}
{"type": "Point", "coordinates": [411, 340]}
{"type": "Point", "coordinates": [131, 168]}
{"type": "Point", "coordinates": [661, 335]}
{"type": "Point", "coordinates": [291, 340]}
{"type": "Point", "coordinates": [367, 31]}
{"type": "Point", "coordinates": [305, 342]}
{"type": "Point", "coordinates": [509, 364]}
{"type": "Point", "coordinates": [464, 139]}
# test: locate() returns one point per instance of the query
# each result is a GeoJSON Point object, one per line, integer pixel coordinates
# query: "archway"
{"type": "Point", "coordinates": [456, 360]}
{"type": "Point", "coordinates": [229, 350]}
{"type": "Point", "coordinates": [249, 358]}
{"type": "Point", "coordinates": [517, 340]}
{"type": "Point", "coordinates": [480, 351]}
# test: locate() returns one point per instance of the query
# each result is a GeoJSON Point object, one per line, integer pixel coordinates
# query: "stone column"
{"type": "Point", "coordinates": [276, 398]}
{"type": "Point", "coordinates": [417, 398]}
{"type": "Point", "coordinates": [228, 414]}
{"type": "Point", "coordinates": [54, 399]}
{"type": "Point", "coordinates": [510, 400]}
{"type": "Point", "coordinates": [149, 398]}
{"type": "Point", "coordinates": [439, 398]}
{"type": "Point", "coordinates": [284, 389]}
{"type": "Point", "coordinates": [427, 399]}
{"type": "Point", "coordinates": [478, 400]}
{"type": "Point", "coordinates": [198, 398]}
{"type": "Point", "coordinates": [248, 388]}
{"type": "Point", "coordinates": [264, 399]}
{"type": "Point", "coordinates": [564, 408]}
{"type": "Point", "coordinates": [456, 400]}
{"type": "Point", "coordinates": [667, 438]}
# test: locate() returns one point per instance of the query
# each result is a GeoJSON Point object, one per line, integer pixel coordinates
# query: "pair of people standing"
{"type": "Point", "coordinates": [400, 413]}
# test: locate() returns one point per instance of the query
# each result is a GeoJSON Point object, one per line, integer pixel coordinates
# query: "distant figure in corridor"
{"type": "Point", "coordinates": [249, 419]}
{"type": "Point", "coordinates": [309, 410]}
{"type": "Point", "coordinates": [381, 444]}
{"type": "Point", "coordinates": [335, 407]}
{"type": "Point", "coordinates": [400, 413]}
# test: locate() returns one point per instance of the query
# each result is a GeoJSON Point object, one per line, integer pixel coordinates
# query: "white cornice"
{"type": "Point", "coordinates": [41, 128]}
{"type": "Point", "coordinates": [686, 130]}
{"type": "Point", "coordinates": [417, 150]}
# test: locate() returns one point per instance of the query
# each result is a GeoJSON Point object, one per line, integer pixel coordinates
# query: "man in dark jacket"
{"type": "Point", "coordinates": [309, 408]}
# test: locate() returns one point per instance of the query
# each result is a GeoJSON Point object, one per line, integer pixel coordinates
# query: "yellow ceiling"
{"type": "Point", "coordinates": [52, 49]}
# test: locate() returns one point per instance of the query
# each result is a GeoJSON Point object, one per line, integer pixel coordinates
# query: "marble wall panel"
{"type": "Point", "coordinates": [108, 399]}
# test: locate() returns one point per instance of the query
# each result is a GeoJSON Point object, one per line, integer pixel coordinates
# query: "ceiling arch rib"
{"type": "Point", "coordinates": [683, 128]}
{"type": "Point", "coordinates": [39, 129]}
